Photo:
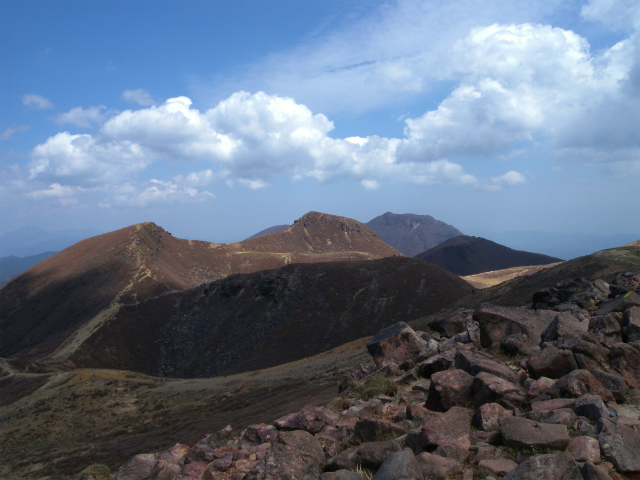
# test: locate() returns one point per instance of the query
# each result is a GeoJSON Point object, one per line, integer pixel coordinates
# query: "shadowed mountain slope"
{"type": "Point", "coordinates": [465, 255]}
{"type": "Point", "coordinates": [70, 294]}
{"type": "Point", "coordinates": [244, 322]}
{"type": "Point", "coordinates": [606, 265]}
{"type": "Point", "coordinates": [412, 234]}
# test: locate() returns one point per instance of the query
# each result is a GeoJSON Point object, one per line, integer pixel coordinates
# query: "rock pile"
{"type": "Point", "coordinates": [551, 391]}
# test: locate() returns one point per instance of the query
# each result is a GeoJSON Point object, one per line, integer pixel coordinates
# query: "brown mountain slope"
{"type": "Point", "coordinates": [266, 231]}
{"type": "Point", "coordinates": [259, 320]}
{"type": "Point", "coordinates": [465, 255]}
{"type": "Point", "coordinates": [411, 234]}
{"type": "Point", "coordinates": [69, 295]}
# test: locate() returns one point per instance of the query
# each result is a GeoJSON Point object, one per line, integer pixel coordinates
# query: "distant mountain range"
{"type": "Point", "coordinates": [11, 267]}
{"type": "Point", "coordinates": [29, 241]}
{"type": "Point", "coordinates": [412, 234]}
{"type": "Point", "coordinates": [465, 255]}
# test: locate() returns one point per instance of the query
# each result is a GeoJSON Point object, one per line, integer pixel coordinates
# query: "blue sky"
{"type": "Point", "coordinates": [216, 119]}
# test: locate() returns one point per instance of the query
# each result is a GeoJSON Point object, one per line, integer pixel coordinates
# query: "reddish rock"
{"type": "Point", "coordinates": [310, 419]}
{"type": "Point", "coordinates": [394, 344]}
{"type": "Point", "coordinates": [474, 362]}
{"type": "Point", "coordinates": [195, 471]}
{"type": "Point", "coordinates": [449, 388]}
{"type": "Point", "coordinates": [564, 326]}
{"type": "Point", "coordinates": [607, 328]}
{"type": "Point", "coordinates": [165, 470]}
{"type": "Point", "coordinates": [435, 466]}
{"type": "Point", "coordinates": [553, 404]}
{"type": "Point", "coordinates": [620, 445]}
{"type": "Point", "coordinates": [399, 465]}
{"type": "Point", "coordinates": [551, 362]}
{"type": "Point", "coordinates": [554, 466]}
{"type": "Point", "coordinates": [376, 429]}
{"type": "Point", "coordinates": [497, 466]}
{"type": "Point", "coordinates": [498, 322]}
{"type": "Point", "coordinates": [578, 383]}
{"type": "Point", "coordinates": [487, 416]}
{"type": "Point", "coordinates": [369, 455]}
{"type": "Point", "coordinates": [256, 434]}
{"type": "Point", "coordinates": [451, 427]}
{"type": "Point", "coordinates": [223, 464]}
{"type": "Point", "coordinates": [437, 363]}
{"type": "Point", "coordinates": [626, 359]}
{"type": "Point", "coordinates": [488, 388]}
{"type": "Point", "coordinates": [585, 449]}
{"type": "Point", "coordinates": [453, 323]}
{"type": "Point", "coordinates": [540, 386]}
{"type": "Point", "coordinates": [520, 432]}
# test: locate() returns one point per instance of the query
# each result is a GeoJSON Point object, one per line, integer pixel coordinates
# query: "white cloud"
{"type": "Point", "coordinates": [36, 102]}
{"type": "Point", "coordinates": [253, 184]}
{"type": "Point", "coordinates": [510, 178]}
{"type": "Point", "coordinates": [9, 132]}
{"type": "Point", "coordinates": [55, 190]}
{"type": "Point", "coordinates": [617, 14]}
{"type": "Point", "coordinates": [154, 192]}
{"type": "Point", "coordinates": [370, 184]}
{"type": "Point", "coordinates": [196, 179]}
{"type": "Point", "coordinates": [81, 117]}
{"type": "Point", "coordinates": [139, 96]}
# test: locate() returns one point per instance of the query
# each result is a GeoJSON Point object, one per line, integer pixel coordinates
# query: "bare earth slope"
{"type": "Point", "coordinates": [267, 231]}
{"type": "Point", "coordinates": [258, 320]}
{"type": "Point", "coordinates": [69, 295]}
{"type": "Point", "coordinates": [496, 277]}
{"type": "Point", "coordinates": [411, 234]}
{"type": "Point", "coordinates": [465, 255]}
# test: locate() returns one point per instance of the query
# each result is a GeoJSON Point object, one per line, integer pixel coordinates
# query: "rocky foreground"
{"type": "Point", "coordinates": [551, 391]}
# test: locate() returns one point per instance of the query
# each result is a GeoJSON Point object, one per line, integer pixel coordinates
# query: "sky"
{"type": "Point", "coordinates": [217, 119]}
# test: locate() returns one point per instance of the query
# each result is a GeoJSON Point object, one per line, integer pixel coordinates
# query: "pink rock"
{"type": "Point", "coordinates": [538, 387]}
{"type": "Point", "coordinates": [585, 449]}
{"type": "Point", "coordinates": [554, 404]}
{"type": "Point", "coordinates": [311, 419]}
{"type": "Point", "coordinates": [243, 465]}
{"type": "Point", "coordinates": [195, 471]}
{"type": "Point", "coordinates": [498, 466]}
{"type": "Point", "coordinates": [487, 416]}
{"type": "Point", "coordinates": [394, 344]}
{"type": "Point", "coordinates": [223, 464]}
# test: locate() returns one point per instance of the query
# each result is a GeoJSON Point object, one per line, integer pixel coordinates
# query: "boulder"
{"type": "Point", "coordinates": [310, 419]}
{"type": "Point", "coordinates": [489, 388]}
{"type": "Point", "coordinates": [400, 465]}
{"type": "Point", "coordinates": [588, 344]}
{"type": "Point", "coordinates": [594, 472]}
{"type": "Point", "coordinates": [195, 471]}
{"type": "Point", "coordinates": [564, 326]}
{"type": "Point", "coordinates": [496, 323]}
{"type": "Point", "coordinates": [436, 467]}
{"type": "Point", "coordinates": [139, 466]}
{"type": "Point", "coordinates": [619, 444]}
{"type": "Point", "coordinates": [376, 429]}
{"type": "Point", "coordinates": [620, 303]}
{"type": "Point", "coordinates": [394, 344]}
{"type": "Point", "coordinates": [449, 388]}
{"type": "Point", "coordinates": [521, 433]}
{"type": "Point", "coordinates": [631, 324]}
{"type": "Point", "coordinates": [487, 416]}
{"type": "Point", "coordinates": [590, 406]}
{"type": "Point", "coordinates": [497, 466]}
{"type": "Point", "coordinates": [612, 382]}
{"type": "Point", "coordinates": [551, 362]}
{"type": "Point", "coordinates": [474, 362]}
{"type": "Point", "coordinates": [451, 427]}
{"type": "Point", "coordinates": [452, 451]}
{"type": "Point", "coordinates": [294, 455]}
{"type": "Point", "coordinates": [369, 455]}
{"type": "Point", "coordinates": [518, 344]}
{"type": "Point", "coordinates": [454, 323]}
{"type": "Point", "coordinates": [578, 383]}
{"type": "Point", "coordinates": [437, 363]}
{"type": "Point", "coordinates": [585, 449]}
{"type": "Point", "coordinates": [607, 328]}
{"type": "Point", "coordinates": [626, 359]}
{"type": "Point", "coordinates": [257, 434]}
{"type": "Point", "coordinates": [165, 470]}
{"type": "Point", "coordinates": [554, 466]}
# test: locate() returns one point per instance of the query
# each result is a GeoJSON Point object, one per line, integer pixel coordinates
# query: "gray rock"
{"type": "Point", "coordinates": [620, 303]}
{"type": "Point", "coordinates": [593, 472]}
{"type": "Point", "coordinates": [368, 455]}
{"type": "Point", "coordinates": [376, 429]}
{"type": "Point", "coordinates": [616, 384]}
{"type": "Point", "coordinates": [498, 466]}
{"type": "Point", "coordinates": [607, 328]}
{"type": "Point", "coordinates": [520, 432]}
{"type": "Point", "coordinates": [554, 466]}
{"type": "Point", "coordinates": [487, 416]}
{"type": "Point", "coordinates": [577, 383]}
{"type": "Point", "coordinates": [619, 444]}
{"type": "Point", "coordinates": [293, 456]}
{"type": "Point", "coordinates": [488, 388]}
{"type": "Point", "coordinates": [394, 344]}
{"type": "Point", "coordinates": [564, 326]}
{"type": "Point", "coordinates": [341, 475]}
{"type": "Point", "coordinates": [451, 427]}
{"type": "Point", "coordinates": [400, 465]}
{"type": "Point", "coordinates": [138, 467]}
{"type": "Point", "coordinates": [310, 419]}
{"type": "Point", "coordinates": [590, 406]}
{"type": "Point", "coordinates": [626, 359]}
{"type": "Point", "coordinates": [497, 322]}
{"type": "Point", "coordinates": [474, 362]}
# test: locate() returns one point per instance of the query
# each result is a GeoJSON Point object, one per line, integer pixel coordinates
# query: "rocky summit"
{"type": "Point", "coordinates": [546, 391]}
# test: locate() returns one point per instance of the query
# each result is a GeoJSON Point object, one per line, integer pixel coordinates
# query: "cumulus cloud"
{"type": "Point", "coordinates": [155, 192]}
{"type": "Point", "coordinates": [370, 184]}
{"type": "Point", "coordinates": [82, 117]}
{"type": "Point", "coordinates": [36, 102]}
{"type": "Point", "coordinates": [508, 179]}
{"type": "Point", "coordinates": [9, 132]}
{"type": "Point", "coordinates": [139, 96]}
